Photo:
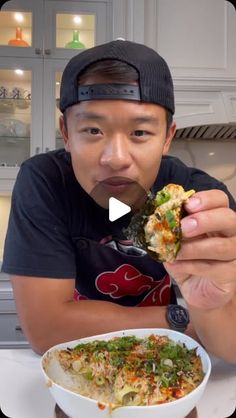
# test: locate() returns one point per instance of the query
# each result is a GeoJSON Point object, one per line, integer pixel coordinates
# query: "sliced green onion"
{"type": "Point", "coordinates": [100, 380]}
{"type": "Point", "coordinates": [162, 197]}
{"type": "Point", "coordinates": [171, 219]}
{"type": "Point", "coordinates": [89, 374]}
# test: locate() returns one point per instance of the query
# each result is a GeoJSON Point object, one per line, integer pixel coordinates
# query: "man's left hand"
{"type": "Point", "coordinates": [205, 268]}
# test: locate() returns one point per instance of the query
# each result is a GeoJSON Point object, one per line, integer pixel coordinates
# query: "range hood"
{"type": "Point", "coordinates": [220, 131]}
{"type": "Point", "coordinates": [205, 109]}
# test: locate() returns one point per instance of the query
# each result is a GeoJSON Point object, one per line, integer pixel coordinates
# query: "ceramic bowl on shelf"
{"type": "Point", "coordinates": [21, 129]}
{"type": "Point", "coordinates": [7, 105]}
{"type": "Point", "coordinates": [16, 128]}
{"type": "Point", "coordinates": [23, 103]}
{"type": "Point", "coordinates": [76, 405]}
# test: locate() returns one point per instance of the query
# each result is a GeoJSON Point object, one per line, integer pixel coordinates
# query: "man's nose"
{"type": "Point", "coordinates": [116, 153]}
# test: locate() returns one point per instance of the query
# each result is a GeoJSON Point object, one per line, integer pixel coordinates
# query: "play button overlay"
{"type": "Point", "coordinates": [119, 195]}
{"type": "Point", "coordinates": [117, 209]}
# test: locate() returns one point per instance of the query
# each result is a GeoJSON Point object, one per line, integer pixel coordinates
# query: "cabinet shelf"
{"type": "Point", "coordinates": [8, 105]}
{"type": "Point", "coordinates": [13, 139]}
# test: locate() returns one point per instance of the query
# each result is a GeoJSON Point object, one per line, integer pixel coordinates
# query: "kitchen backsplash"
{"type": "Point", "coordinates": [216, 158]}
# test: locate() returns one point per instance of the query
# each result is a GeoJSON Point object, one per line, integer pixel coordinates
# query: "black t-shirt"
{"type": "Point", "coordinates": [56, 230]}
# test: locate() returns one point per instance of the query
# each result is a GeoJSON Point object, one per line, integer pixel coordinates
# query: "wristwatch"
{"type": "Point", "coordinates": [177, 317]}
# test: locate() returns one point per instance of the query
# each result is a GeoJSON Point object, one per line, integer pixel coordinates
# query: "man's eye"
{"type": "Point", "coordinates": [140, 132]}
{"type": "Point", "coordinates": [93, 131]}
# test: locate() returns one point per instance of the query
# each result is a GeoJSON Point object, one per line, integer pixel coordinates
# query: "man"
{"type": "Point", "coordinates": [73, 272]}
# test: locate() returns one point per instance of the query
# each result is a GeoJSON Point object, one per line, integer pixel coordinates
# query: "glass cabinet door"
{"type": "Point", "coordinates": [15, 116]}
{"type": "Point", "coordinates": [74, 26]}
{"type": "Point", "coordinates": [51, 92]}
{"type": "Point", "coordinates": [21, 33]}
{"type": "Point", "coordinates": [20, 110]}
{"type": "Point", "coordinates": [52, 29]}
{"type": "Point", "coordinates": [16, 28]}
{"type": "Point", "coordinates": [58, 135]}
{"type": "Point", "coordinates": [75, 31]}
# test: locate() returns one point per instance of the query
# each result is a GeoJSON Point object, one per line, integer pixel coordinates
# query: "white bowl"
{"type": "Point", "coordinates": [78, 406]}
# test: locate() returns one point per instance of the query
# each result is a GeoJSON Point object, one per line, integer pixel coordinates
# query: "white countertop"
{"type": "Point", "coordinates": [24, 394]}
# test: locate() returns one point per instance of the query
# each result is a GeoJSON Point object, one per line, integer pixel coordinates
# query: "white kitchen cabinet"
{"type": "Point", "coordinates": [29, 20]}
{"type": "Point", "coordinates": [28, 122]}
{"type": "Point", "coordinates": [11, 334]}
{"type": "Point", "coordinates": [47, 25]}
{"type": "Point", "coordinates": [197, 39]}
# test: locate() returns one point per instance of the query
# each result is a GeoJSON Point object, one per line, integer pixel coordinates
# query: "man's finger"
{"type": "Point", "coordinates": [219, 271]}
{"type": "Point", "coordinates": [205, 200]}
{"type": "Point", "coordinates": [220, 220]}
{"type": "Point", "coordinates": [208, 248]}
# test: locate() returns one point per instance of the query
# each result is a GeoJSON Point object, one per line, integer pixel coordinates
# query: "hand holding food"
{"type": "Point", "coordinates": [205, 268]}
{"type": "Point", "coordinates": [204, 242]}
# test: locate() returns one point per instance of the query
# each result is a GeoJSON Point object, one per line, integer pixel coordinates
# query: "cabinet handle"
{"type": "Point", "coordinates": [47, 149]}
{"type": "Point", "coordinates": [38, 51]}
{"type": "Point", "coordinates": [18, 328]}
{"type": "Point", "coordinates": [37, 150]}
{"type": "Point", "coordinates": [47, 51]}
{"type": "Point", "coordinates": [8, 165]}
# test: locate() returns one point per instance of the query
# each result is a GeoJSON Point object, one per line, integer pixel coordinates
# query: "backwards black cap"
{"type": "Point", "coordinates": [155, 83]}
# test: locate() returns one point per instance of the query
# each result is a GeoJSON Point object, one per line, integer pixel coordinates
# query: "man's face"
{"type": "Point", "coordinates": [116, 142]}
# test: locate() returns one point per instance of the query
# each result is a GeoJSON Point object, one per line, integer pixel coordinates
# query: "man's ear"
{"type": "Point", "coordinates": [64, 132]}
{"type": "Point", "coordinates": [170, 135]}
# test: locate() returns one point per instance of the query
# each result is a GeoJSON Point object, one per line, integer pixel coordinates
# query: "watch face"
{"type": "Point", "coordinates": [178, 315]}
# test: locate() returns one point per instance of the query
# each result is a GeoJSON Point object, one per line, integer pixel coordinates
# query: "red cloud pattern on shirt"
{"type": "Point", "coordinates": [77, 296]}
{"type": "Point", "coordinates": [126, 280]}
{"type": "Point", "coordinates": [160, 295]}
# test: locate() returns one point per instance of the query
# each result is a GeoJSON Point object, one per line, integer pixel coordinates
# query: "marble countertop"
{"type": "Point", "coordinates": [24, 394]}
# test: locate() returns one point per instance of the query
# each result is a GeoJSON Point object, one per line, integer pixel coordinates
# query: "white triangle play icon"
{"type": "Point", "coordinates": [117, 209]}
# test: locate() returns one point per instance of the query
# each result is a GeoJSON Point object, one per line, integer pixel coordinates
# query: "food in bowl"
{"type": "Point", "coordinates": [128, 370]}
{"type": "Point", "coordinates": [156, 226]}
{"type": "Point", "coordinates": [63, 385]}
